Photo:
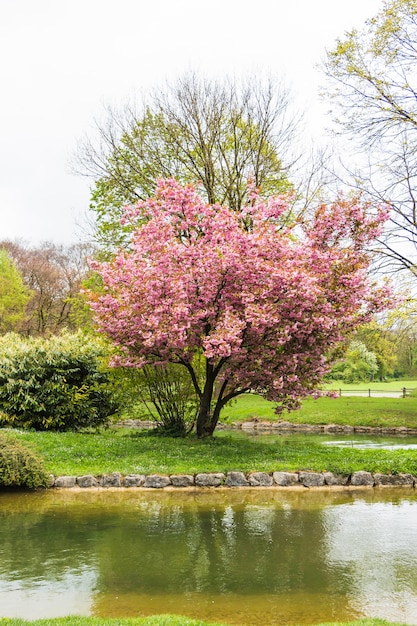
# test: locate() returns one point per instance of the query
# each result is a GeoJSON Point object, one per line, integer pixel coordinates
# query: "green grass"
{"type": "Point", "coordinates": [354, 411]}
{"type": "Point", "coordinates": [160, 620]}
{"type": "Point", "coordinates": [144, 453]}
{"type": "Point", "coordinates": [155, 620]}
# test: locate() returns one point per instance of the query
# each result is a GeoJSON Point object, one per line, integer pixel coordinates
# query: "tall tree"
{"type": "Point", "coordinates": [212, 133]}
{"type": "Point", "coordinates": [53, 274]}
{"type": "Point", "coordinates": [259, 304]}
{"type": "Point", "coordinates": [373, 90]}
{"type": "Point", "coordinates": [14, 295]}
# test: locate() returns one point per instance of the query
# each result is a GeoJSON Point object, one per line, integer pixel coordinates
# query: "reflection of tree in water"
{"type": "Point", "coordinates": [288, 547]}
{"type": "Point", "coordinates": [44, 544]}
{"type": "Point", "coordinates": [229, 548]}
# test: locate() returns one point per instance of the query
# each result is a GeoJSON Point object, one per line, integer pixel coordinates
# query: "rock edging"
{"type": "Point", "coordinates": [286, 427]}
{"type": "Point", "coordinates": [235, 479]}
{"type": "Point", "coordinates": [283, 426]}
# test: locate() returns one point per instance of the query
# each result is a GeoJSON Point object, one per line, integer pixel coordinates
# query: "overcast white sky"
{"type": "Point", "coordinates": [61, 61]}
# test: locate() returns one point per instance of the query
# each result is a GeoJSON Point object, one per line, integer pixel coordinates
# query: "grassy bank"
{"type": "Point", "coordinates": [160, 620]}
{"type": "Point", "coordinates": [141, 452]}
{"type": "Point", "coordinates": [129, 451]}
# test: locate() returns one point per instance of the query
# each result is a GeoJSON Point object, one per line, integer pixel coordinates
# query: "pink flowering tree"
{"type": "Point", "coordinates": [259, 303]}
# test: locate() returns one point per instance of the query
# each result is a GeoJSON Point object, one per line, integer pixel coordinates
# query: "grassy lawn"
{"type": "Point", "coordinates": [160, 620]}
{"type": "Point", "coordinates": [129, 451]}
{"type": "Point", "coordinates": [142, 452]}
{"type": "Point", "coordinates": [354, 411]}
{"type": "Point", "coordinates": [156, 620]}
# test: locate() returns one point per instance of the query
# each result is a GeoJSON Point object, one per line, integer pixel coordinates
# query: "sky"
{"type": "Point", "coordinates": [63, 61]}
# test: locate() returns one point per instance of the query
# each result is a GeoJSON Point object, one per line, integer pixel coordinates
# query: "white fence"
{"type": "Point", "coordinates": [376, 393]}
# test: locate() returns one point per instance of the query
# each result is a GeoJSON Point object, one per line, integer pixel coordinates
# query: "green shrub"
{"type": "Point", "coordinates": [59, 383]}
{"type": "Point", "coordinates": [19, 465]}
{"type": "Point", "coordinates": [164, 394]}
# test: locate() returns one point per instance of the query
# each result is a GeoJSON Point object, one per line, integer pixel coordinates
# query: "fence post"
{"type": "Point", "coordinates": [369, 393]}
{"type": "Point", "coordinates": [340, 393]}
{"type": "Point", "coordinates": [404, 392]}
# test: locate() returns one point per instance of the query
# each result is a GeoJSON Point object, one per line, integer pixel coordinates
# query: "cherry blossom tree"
{"type": "Point", "coordinates": [258, 302]}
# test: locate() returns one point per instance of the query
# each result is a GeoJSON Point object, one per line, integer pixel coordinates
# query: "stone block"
{"type": "Point", "coordinates": [285, 479]}
{"type": "Point", "coordinates": [182, 480]}
{"type": "Point", "coordinates": [134, 480]}
{"type": "Point", "coordinates": [394, 480]}
{"type": "Point", "coordinates": [209, 480]}
{"type": "Point", "coordinates": [236, 479]}
{"type": "Point", "coordinates": [311, 479]}
{"type": "Point", "coordinates": [260, 479]}
{"type": "Point", "coordinates": [362, 479]}
{"type": "Point", "coordinates": [87, 481]}
{"type": "Point", "coordinates": [111, 480]}
{"type": "Point", "coordinates": [156, 481]}
{"type": "Point", "coordinates": [65, 481]}
{"type": "Point", "coordinates": [335, 479]}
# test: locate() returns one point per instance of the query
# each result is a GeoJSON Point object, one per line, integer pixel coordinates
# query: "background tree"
{"type": "Point", "coordinates": [401, 324]}
{"type": "Point", "coordinates": [358, 364]}
{"type": "Point", "coordinates": [53, 274]}
{"type": "Point", "coordinates": [381, 341]}
{"type": "Point", "coordinates": [373, 87]}
{"type": "Point", "coordinates": [14, 295]}
{"type": "Point", "coordinates": [259, 304]}
{"type": "Point", "coordinates": [215, 134]}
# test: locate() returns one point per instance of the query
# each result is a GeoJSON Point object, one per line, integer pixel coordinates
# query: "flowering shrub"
{"type": "Point", "coordinates": [54, 384]}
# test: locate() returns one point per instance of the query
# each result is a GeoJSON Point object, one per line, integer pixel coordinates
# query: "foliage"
{"type": "Point", "coordinates": [381, 340]}
{"type": "Point", "coordinates": [372, 86]}
{"type": "Point", "coordinates": [167, 395]}
{"type": "Point", "coordinates": [19, 465]}
{"type": "Point", "coordinates": [54, 384]}
{"type": "Point", "coordinates": [53, 274]}
{"type": "Point", "coordinates": [259, 303]}
{"type": "Point", "coordinates": [358, 364]}
{"type": "Point", "coordinates": [14, 296]}
{"type": "Point", "coordinates": [219, 134]}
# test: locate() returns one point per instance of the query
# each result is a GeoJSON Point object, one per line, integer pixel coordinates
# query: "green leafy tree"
{"type": "Point", "coordinates": [219, 135]}
{"type": "Point", "coordinates": [53, 274]}
{"type": "Point", "coordinates": [381, 341]}
{"type": "Point", "coordinates": [373, 86]}
{"type": "Point", "coordinates": [359, 364]}
{"type": "Point", "coordinates": [14, 295]}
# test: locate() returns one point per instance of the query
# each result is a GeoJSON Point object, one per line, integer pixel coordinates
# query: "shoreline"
{"type": "Point", "coordinates": [287, 427]}
{"type": "Point", "coordinates": [232, 480]}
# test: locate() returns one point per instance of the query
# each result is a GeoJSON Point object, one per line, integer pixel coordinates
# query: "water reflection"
{"type": "Point", "coordinates": [381, 554]}
{"type": "Point", "coordinates": [241, 556]}
{"type": "Point", "coordinates": [359, 441]}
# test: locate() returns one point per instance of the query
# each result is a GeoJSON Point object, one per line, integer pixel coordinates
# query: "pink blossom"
{"type": "Point", "coordinates": [262, 305]}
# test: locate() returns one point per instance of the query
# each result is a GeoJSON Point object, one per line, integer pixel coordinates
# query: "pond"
{"type": "Point", "coordinates": [349, 440]}
{"type": "Point", "coordinates": [252, 556]}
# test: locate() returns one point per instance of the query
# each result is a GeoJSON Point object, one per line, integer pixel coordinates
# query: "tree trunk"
{"type": "Point", "coordinates": [204, 419]}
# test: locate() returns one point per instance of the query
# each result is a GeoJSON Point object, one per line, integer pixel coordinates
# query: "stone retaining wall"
{"type": "Point", "coordinates": [285, 427]}
{"type": "Point", "coordinates": [237, 479]}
